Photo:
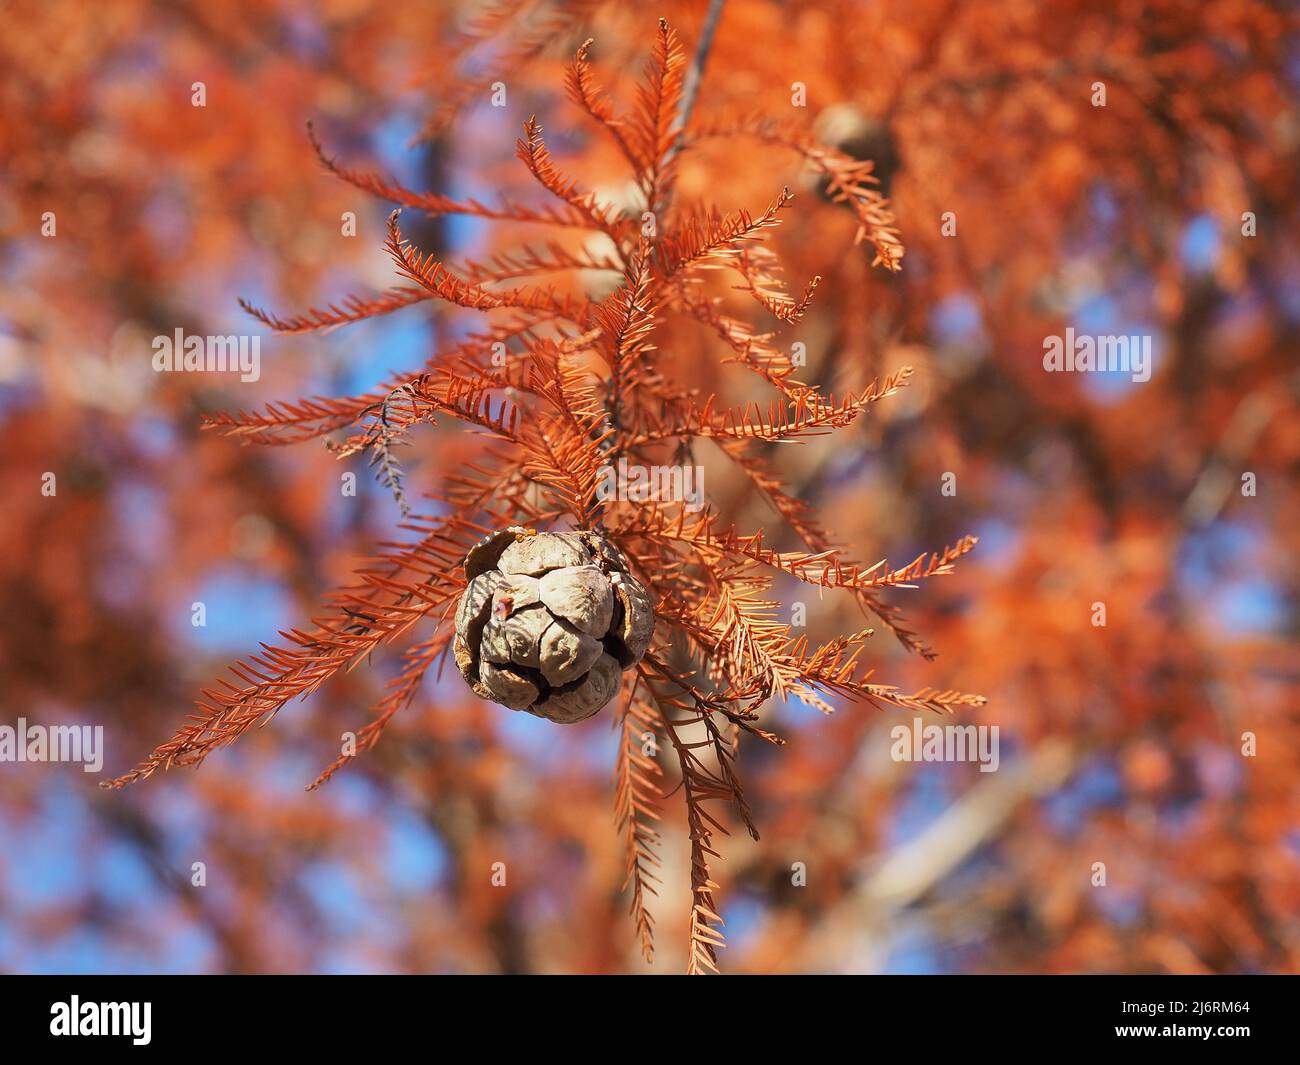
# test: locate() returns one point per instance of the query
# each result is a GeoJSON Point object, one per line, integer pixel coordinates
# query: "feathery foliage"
{"type": "Point", "coordinates": [584, 384]}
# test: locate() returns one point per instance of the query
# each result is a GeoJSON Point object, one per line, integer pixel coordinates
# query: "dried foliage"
{"type": "Point", "coordinates": [559, 394]}
{"type": "Point", "coordinates": [1122, 743]}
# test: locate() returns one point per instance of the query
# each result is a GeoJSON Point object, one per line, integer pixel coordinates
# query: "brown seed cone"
{"type": "Point", "coordinates": [549, 622]}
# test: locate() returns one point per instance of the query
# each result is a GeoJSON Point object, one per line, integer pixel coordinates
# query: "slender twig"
{"type": "Point", "coordinates": [690, 92]}
{"type": "Point", "coordinates": [695, 74]}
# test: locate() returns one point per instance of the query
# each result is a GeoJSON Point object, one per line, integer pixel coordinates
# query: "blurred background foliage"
{"type": "Point", "coordinates": [1120, 744]}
